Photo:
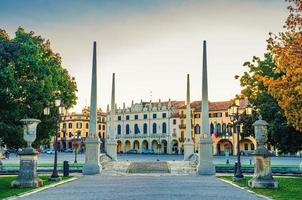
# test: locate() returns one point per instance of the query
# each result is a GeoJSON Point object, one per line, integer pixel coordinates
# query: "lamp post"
{"type": "Point", "coordinates": [61, 111]}
{"type": "Point", "coordinates": [235, 117]}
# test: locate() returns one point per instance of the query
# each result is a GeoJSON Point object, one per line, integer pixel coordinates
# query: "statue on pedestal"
{"type": "Point", "coordinates": [28, 157]}
{"type": "Point", "coordinates": [262, 177]}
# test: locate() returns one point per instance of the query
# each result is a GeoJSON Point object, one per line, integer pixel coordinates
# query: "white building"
{"type": "Point", "coordinates": [147, 125]}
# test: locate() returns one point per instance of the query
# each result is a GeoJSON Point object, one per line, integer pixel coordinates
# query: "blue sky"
{"type": "Point", "coordinates": [150, 45]}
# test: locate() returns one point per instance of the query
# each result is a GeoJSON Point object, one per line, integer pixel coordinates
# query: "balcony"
{"type": "Point", "coordinates": [182, 115]}
{"type": "Point", "coordinates": [182, 126]}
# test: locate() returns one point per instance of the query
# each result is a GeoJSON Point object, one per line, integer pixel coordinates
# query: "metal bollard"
{"type": "Point", "coordinates": [65, 168]}
{"type": "Point", "coordinates": [235, 170]}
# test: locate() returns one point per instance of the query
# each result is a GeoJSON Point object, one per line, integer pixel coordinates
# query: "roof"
{"type": "Point", "coordinates": [219, 105]}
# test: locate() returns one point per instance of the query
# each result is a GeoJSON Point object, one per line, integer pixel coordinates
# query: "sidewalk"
{"type": "Point", "coordinates": [146, 187]}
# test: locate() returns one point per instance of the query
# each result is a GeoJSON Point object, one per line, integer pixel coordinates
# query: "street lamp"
{"type": "Point", "coordinates": [61, 111]}
{"type": "Point", "coordinates": [235, 117]}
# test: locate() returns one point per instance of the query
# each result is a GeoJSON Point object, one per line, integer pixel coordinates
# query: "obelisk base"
{"type": "Point", "coordinates": [92, 157]}
{"type": "Point", "coordinates": [112, 149]}
{"type": "Point", "coordinates": [206, 166]}
{"type": "Point", "coordinates": [188, 149]}
{"type": "Point", "coordinates": [28, 170]}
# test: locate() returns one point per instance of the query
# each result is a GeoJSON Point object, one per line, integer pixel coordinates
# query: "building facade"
{"type": "Point", "coordinates": [146, 125]}
{"type": "Point", "coordinates": [75, 126]}
{"type": "Point", "coordinates": [161, 126]}
{"type": "Point", "coordinates": [224, 135]}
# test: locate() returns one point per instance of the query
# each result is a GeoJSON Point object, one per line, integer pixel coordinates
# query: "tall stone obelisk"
{"type": "Point", "coordinates": [188, 144]}
{"type": "Point", "coordinates": [205, 166]}
{"type": "Point", "coordinates": [92, 142]}
{"type": "Point", "coordinates": [111, 142]}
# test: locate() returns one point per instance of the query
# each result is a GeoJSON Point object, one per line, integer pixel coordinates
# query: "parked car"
{"type": "Point", "coordinates": [68, 151]}
{"type": "Point", "coordinates": [148, 151]}
{"type": "Point", "coordinates": [45, 150]}
{"type": "Point", "coordinates": [132, 151]}
{"type": "Point", "coordinates": [50, 152]}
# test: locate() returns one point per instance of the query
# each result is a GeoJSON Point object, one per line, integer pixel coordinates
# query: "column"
{"type": "Point", "coordinates": [205, 166]}
{"type": "Point", "coordinates": [188, 144]}
{"type": "Point", "coordinates": [92, 142]}
{"type": "Point", "coordinates": [111, 142]}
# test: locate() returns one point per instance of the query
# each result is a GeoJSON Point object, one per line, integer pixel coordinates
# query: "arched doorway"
{"type": "Point", "coordinates": [154, 146]}
{"type": "Point", "coordinates": [145, 145]}
{"type": "Point", "coordinates": [136, 145]}
{"type": "Point", "coordinates": [164, 145]}
{"type": "Point", "coordinates": [119, 146]}
{"type": "Point", "coordinates": [127, 145]}
{"type": "Point", "coordinates": [175, 149]}
{"type": "Point", "coordinates": [224, 147]}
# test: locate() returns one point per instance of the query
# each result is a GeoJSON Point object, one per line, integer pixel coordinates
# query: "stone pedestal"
{"type": "Point", "coordinates": [262, 177]}
{"type": "Point", "coordinates": [262, 170]}
{"type": "Point", "coordinates": [112, 149]}
{"type": "Point", "coordinates": [188, 149]}
{"type": "Point", "coordinates": [28, 170]}
{"type": "Point", "coordinates": [206, 166]}
{"type": "Point", "coordinates": [92, 159]}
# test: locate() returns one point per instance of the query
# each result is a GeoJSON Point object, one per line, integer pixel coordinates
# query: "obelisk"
{"type": "Point", "coordinates": [92, 142]}
{"type": "Point", "coordinates": [205, 166]}
{"type": "Point", "coordinates": [111, 142]}
{"type": "Point", "coordinates": [188, 144]}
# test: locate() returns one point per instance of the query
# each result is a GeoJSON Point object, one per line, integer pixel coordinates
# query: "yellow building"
{"type": "Point", "coordinates": [75, 126]}
{"type": "Point", "coordinates": [223, 134]}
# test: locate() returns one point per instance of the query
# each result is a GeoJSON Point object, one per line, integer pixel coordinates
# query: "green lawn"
{"type": "Point", "coordinates": [289, 187]}
{"type": "Point", "coordinates": [247, 165]}
{"type": "Point", "coordinates": [82, 164]}
{"type": "Point", "coordinates": [45, 165]}
{"type": "Point", "coordinates": [7, 191]}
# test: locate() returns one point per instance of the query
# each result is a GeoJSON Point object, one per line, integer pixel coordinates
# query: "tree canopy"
{"type": "Point", "coordinates": [282, 135]}
{"type": "Point", "coordinates": [286, 48]}
{"type": "Point", "coordinates": [31, 75]}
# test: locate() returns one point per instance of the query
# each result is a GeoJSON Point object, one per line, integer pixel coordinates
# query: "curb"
{"type": "Point", "coordinates": [41, 189]}
{"type": "Point", "coordinates": [244, 188]}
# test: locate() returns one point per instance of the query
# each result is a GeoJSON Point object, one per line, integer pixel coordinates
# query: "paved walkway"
{"type": "Point", "coordinates": [146, 187]}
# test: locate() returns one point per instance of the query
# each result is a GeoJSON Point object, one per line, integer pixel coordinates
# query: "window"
{"type": "Point", "coordinates": [70, 125]}
{"type": "Point", "coordinates": [86, 134]}
{"type": "Point", "coordinates": [145, 128]}
{"type": "Point", "coordinates": [224, 128]}
{"type": "Point", "coordinates": [119, 129]}
{"type": "Point", "coordinates": [197, 129]}
{"type": "Point", "coordinates": [64, 126]}
{"type": "Point", "coordinates": [145, 116]}
{"type": "Point", "coordinates": [104, 127]}
{"type": "Point", "coordinates": [218, 128]}
{"type": "Point", "coordinates": [164, 127]}
{"type": "Point", "coordinates": [219, 114]}
{"type": "Point", "coordinates": [100, 126]}
{"type": "Point", "coordinates": [252, 147]}
{"type": "Point", "coordinates": [135, 117]}
{"type": "Point", "coordinates": [70, 134]}
{"type": "Point", "coordinates": [174, 121]}
{"type": "Point", "coordinates": [127, 117]}
{"type": "Point", "coordinates": [87, 125]}
{"type": "Point", "coordinates": [197, 116]}
{"type": "Point", "coordinates": [154, 116]}
{"type": "Point", "coordinates": [127, 129]}
{"type": "Point", "coordinates": [164, 115]}
{"type": "Point", "coordinates": [211, 128]}
{"type": "Point", "coordinates": [136, 129]}
{"type": "Point", "coordinates": [226, 114]}
{"type": "Point", "coordinates": [154, 129]}
{"type": "Point", "coordinates": [246, 147]}
{"type": "Point", "coordinates": [119, 118]}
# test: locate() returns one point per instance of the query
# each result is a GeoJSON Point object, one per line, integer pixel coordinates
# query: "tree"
{"type": "Point", "coordinates": [286, 48]}
{"type": "Point", "coordinates": [282, 135]}
{"type": "Point", "coordinates": [31, 75]}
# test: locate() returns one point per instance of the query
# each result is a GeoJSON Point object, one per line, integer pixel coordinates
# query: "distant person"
{"type": "Point", "coordinates": [6, 154]}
